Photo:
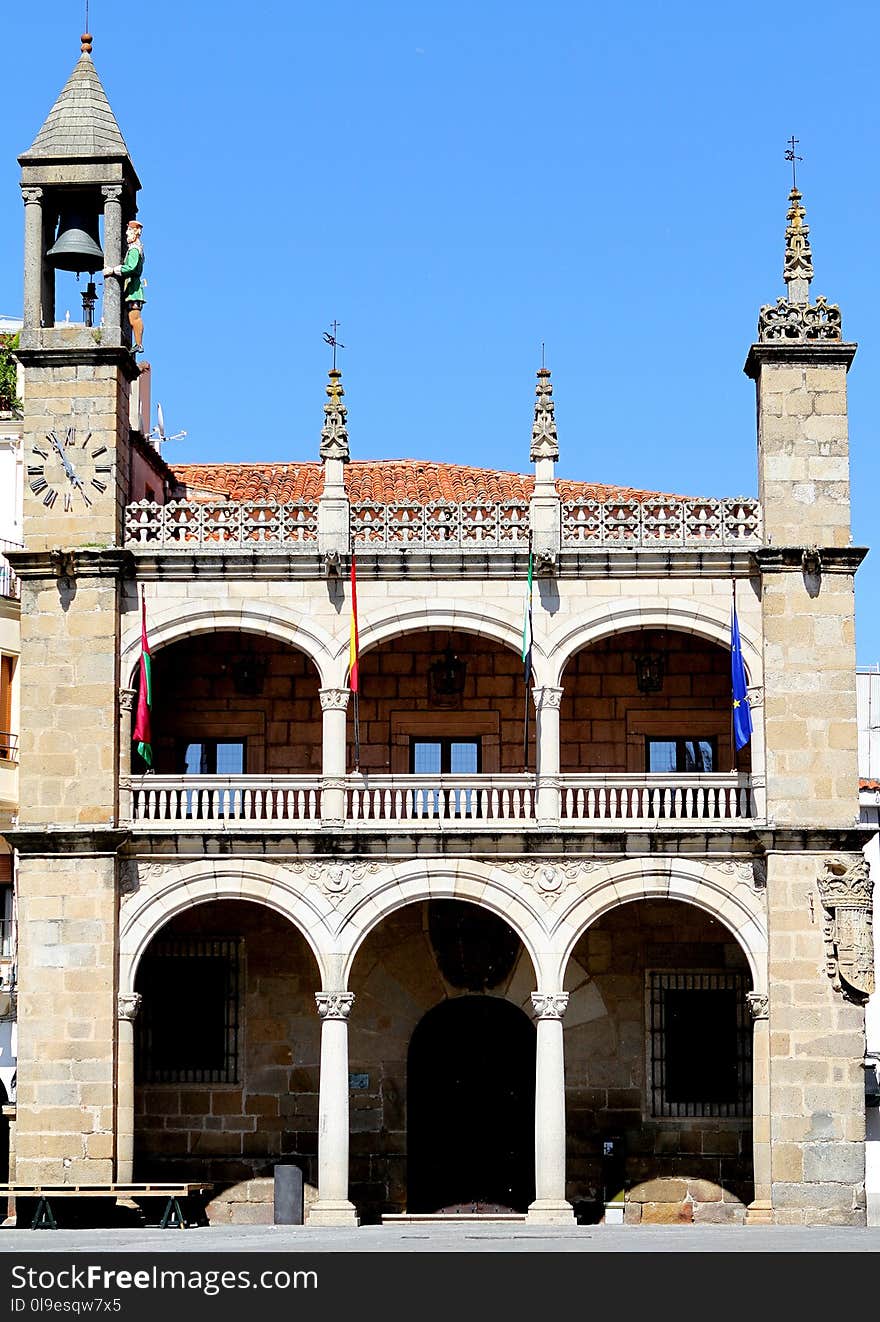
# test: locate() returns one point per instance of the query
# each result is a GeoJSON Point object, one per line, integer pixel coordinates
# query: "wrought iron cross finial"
{"type": "Point", "coordinates": [330, 337]}
{"type": "Point", "coordinates": [790, 155]}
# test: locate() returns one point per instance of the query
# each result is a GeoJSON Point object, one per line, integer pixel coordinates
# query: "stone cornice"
{"type": "Point", "coordinates": [90, 562]}
{"type": "Point", "coordinates": [96, 355]}
{"type": "Point", "coordinates": [49, 841]}
{"type": "Point", "coordinates": [832, 559]}
{"type": "Point", "coordinates": [812, 353]}
{"type": "Point", "coordinates": [399, 565]}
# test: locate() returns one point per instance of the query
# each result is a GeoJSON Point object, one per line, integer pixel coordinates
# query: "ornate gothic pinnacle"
{"type": "Point", "coordinates": [545, 442]}
{"type": "Point", "coordinates": [797, 271]}
{"type": "Point", "coordinates": [334, 433]}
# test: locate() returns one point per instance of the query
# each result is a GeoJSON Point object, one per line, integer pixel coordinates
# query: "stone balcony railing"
{"type": "Point", "coordinates": [264, 525]}
{"type": "Point", "coordinates": [420, 803]}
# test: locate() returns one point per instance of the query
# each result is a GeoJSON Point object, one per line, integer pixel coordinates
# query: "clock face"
{"type": "Point", "coordinates": [70, 471]}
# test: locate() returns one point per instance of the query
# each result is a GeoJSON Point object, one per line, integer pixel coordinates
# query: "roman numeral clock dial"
{"type": "Point", "coordinates": [70, 471]}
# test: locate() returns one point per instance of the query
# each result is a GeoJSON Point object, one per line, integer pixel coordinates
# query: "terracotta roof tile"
{"type": "Point", "coordinates": [869, 784]}
{"type": "Point", "coordinates": [382, 480]}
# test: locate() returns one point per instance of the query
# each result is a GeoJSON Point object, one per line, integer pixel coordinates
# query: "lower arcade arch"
{"type": "Point", "coordinates": [227, 1052]}
{"type": "Point", "coordinates": [658, 1054]}
{"type": "Point", "coordinates": [441, 1052]}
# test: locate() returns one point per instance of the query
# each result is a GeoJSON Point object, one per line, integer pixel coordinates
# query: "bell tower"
{"type": "Point", "coordinates": [79, 188]}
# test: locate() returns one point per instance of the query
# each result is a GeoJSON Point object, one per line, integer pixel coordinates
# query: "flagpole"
{"type": "Point", "coordinates": [734, 751]}
{"type": "Point", "coordinates": [527, 660]}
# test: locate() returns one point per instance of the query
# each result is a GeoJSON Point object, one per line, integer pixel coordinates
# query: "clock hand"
{"type": "Point", "coordinates": [68, 468]}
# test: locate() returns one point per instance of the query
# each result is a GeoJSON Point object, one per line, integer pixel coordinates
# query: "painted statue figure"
{"type": "Point", "coordinates": [130, 272]}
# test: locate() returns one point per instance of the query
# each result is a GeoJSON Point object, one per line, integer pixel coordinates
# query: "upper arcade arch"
{"type": "Point", "coordinates": [391, 621]}
{"type": "Point", "coordinates": [684, 615]}
{"type": "Point", "coordinates": [206, 616]}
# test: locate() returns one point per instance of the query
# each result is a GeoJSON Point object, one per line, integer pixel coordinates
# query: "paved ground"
{"type": "Point", "coordinates": [455, 1239]}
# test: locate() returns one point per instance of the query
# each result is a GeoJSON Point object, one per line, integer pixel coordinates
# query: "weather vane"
{"type": "Point", "coordinates": [330, 337]}
{"type": "Point", "coordinates": [790, 156]}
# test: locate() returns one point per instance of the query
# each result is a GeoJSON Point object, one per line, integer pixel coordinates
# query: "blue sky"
{"type": "Point", "coordinates": [456, 182]}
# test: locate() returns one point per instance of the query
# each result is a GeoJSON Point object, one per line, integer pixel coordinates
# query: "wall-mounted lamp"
{"type": "Point", "coordinates": [446, 678]}
{"type": "Point", "coordinates": [650, 670]}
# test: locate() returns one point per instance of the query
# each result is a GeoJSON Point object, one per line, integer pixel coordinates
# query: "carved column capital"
{"type": "Point", "coordinates": [334, 1005]}
{"type": "Point", "coordinates": [549, 1005]}
{"type": "Point", "coordinates": [31, 196]}
{"type": "Point", "coordinates": [547, 697]}
{"type": "Point", "coordinates": [128, 1005]}
{"type": "Point", "coordinates": [126, 699]}
{"type": "Point", "coordinates": [111, 192]}
{"type": "Point", "coordinates": [334, 699]}
{"type": "Point", "coordinates": [759, 1004]}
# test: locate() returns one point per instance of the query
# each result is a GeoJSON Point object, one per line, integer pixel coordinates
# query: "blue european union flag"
{"type": "Point", "coordinates": [742, 712]}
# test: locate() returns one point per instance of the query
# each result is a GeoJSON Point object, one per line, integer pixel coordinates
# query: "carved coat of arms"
{"type": "Point", "coordinates": [845, 891]}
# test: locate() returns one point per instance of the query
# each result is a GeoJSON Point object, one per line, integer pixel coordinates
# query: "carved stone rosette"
{"type": "Point", "coordinates": [549, 1005]}
{"type": "Point", "coordinates": [845, 889]}
{"type": "Point", "coordinates": [334, 1005]}
{"type": "Point", "coordinates": [759, 1004]}
{"type": "Point", "coordinates": [128, 1006]}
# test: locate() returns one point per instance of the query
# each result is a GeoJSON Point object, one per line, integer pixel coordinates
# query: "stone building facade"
{"type": "Point", "coordinates": [537, 942]}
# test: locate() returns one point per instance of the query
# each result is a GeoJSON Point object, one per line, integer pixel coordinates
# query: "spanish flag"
{"type": "Point", "coordinates": [353, 639]}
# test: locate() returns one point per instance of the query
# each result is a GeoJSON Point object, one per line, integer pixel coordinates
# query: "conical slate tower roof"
{"type": "Point", "coordinates": [81, 123]}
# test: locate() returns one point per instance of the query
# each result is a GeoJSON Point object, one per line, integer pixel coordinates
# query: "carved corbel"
{"type": "Point", "coordinates": [63, 562]}
{"type": "Point", "coordinates": [845, 889]}
{"type": "Point", "coordinates": [546, 564]}
{"type": "Point", "coordinates": [332, 563]}
{"type": "Point", "coordinates": [811, 561]}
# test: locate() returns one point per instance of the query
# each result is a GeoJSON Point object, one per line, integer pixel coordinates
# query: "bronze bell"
{"type": "Point", "coordinates": [76, 247]}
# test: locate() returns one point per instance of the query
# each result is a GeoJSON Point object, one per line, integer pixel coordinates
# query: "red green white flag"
{"type": "Point", "coordinates": [142, 735]}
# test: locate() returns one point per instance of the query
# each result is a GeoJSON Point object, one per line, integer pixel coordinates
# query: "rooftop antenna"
{"type": "Point", "coordinates": [330, 337]}
{"type": "Point", "coordinates": [791, 156]}
{"type": "Point", "coordinates": [157, 434]}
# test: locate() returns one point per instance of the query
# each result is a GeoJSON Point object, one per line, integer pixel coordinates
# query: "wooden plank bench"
{"type": "Point", "coordinates": [45, 1194]}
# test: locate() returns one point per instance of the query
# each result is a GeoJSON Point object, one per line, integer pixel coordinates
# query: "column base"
{"type": "Point", "coordinates": [550, 1212]}
{"type": "Point", "coordinates": [333, 1212]}
{"type": "Point", "coordinates": [759, 1213]}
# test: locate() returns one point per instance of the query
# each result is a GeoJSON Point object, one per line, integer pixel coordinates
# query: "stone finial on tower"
{"type": "Point", "coordinates": [796, 318]}
{"type": "Point", "coordinates": [334, 433]}
{"type": "Point", "coordinates": [545, 442]}
{"type": "Point", "coordinates": [797, 269]}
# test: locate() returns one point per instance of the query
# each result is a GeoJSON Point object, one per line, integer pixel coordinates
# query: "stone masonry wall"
{"type": "Point", "coordinates": [604, 718]}
{"type": "Point", "coordinates": [803, 449]}
{"type": "Point", "coordinates": [66, 1019]}
{"type": "Point", "coordinates": [817, 1043]}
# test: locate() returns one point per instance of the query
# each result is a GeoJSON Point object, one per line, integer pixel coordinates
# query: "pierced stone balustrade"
{"type": "Point", "coordinates": [181, 801]}
{"type": "Point", "coordinates": [648, 799]}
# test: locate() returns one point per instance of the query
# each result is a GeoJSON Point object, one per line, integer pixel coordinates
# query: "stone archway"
{"type": "Point", "coordinates": [471, 1107]}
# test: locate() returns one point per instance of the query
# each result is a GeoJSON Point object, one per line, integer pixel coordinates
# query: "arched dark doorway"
{"type": "Point", "coordinates": [471, 1106]}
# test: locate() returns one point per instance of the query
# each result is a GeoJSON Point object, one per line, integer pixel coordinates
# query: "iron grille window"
{"type": "Point", "coordinates": [700, 1044]}
{"type": "Point", "coordinates": [188, 1027]}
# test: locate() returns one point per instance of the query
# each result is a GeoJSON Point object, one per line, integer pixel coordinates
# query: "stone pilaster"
{"type": "Point", "coordinates": [545, 517]}
{"type": "Point", "coordinates": [550, 1206]}
{"type": "Point", "coordinates": [333, 505]}
{"type": "Point", "coordinates": [333, 1207]}
{"type": "Point", "coordinates": [760, 1211]}
{"type": "Point", "coordinates": [113, 255]}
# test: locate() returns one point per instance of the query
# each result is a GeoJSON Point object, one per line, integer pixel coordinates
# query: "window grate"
{"type": "Point", "coordinates": [700, 1045]}
{"type": "Point", "coordinates": [188, 1028]}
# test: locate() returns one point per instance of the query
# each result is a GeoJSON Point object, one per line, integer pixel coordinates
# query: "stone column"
{"type": "Point", "coordinates": [112, 319]}
{"type": "Point", "coordinates": [334, 703]}
{"type": "Point", "coordinates": [760, 1210]}
{"type": "Point", "coordinates": [33, 257]}
{"type": "Point", "coordinates": [547, 702]}
{"type": "Point", "coordinates": [128, 1005]}
{"type": "Point", "coordinates": [550, 1206]}
{"type": "Point", "coordinates": [333, 1207]}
